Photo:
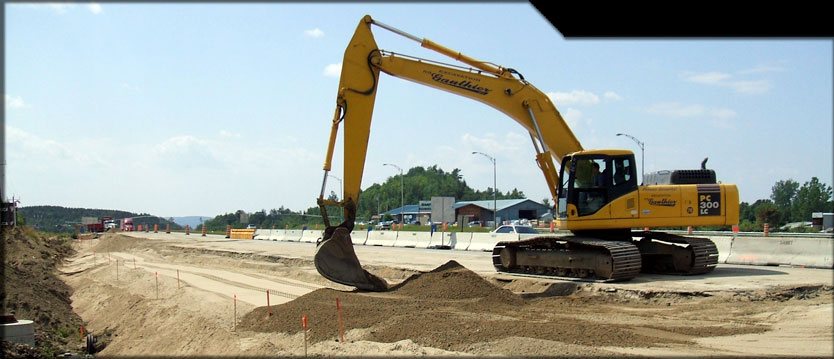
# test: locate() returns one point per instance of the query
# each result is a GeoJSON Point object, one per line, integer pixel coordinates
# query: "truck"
{"type": "Point", "coordinates": [103, 224]}
{"type": "Point", "coordinates": [127, 224]}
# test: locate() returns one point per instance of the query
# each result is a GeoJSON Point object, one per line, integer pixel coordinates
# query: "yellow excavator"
{"type": "Point", "coordinates": [595, 192]}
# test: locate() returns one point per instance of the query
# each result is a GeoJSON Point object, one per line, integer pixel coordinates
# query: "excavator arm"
{"type": "Point", "coordinates": [501, 88]}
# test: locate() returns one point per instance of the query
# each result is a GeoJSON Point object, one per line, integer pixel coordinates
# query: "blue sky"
{"type": "Point", "coordinates": [202, 109]}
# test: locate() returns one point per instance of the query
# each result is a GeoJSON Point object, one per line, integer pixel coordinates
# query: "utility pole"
{"type": "Point", "coordinates": [402, 197]}
{"type": "Point", "coordinates": [642, 155]}
{"type": "Point", "coordinates": [494, 189]}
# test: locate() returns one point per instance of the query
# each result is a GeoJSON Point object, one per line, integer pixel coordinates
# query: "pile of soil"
{"type": "Point", "coordinates": [450, 308]}
{"type": "Point", "coordinates": [33, 291]}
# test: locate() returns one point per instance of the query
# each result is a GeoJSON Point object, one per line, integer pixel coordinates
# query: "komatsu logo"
{"type": "Point", "coordinates": [665, 202]}
{"type": "Point", "coordinates": [464, 84]}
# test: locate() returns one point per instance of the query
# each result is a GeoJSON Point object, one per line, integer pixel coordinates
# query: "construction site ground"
{"type": "Point", "coordinates": [178, 295]}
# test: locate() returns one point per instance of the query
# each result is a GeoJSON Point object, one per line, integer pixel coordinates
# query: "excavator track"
{"type": "Point", "coordinates": [666, 253]}
{"type": "Point", "coordinates": [569, 257]}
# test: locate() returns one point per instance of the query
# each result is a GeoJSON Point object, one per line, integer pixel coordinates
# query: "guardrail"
{"type": "Point", "coordinates": [815, 250]}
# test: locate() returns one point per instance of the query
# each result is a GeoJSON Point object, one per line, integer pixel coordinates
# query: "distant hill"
{"type": "Point", "coordinates": [191, 221]}
{"type": "Point", "coordinates": [63, 219]}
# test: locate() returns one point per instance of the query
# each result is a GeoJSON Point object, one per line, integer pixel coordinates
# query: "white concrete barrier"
{"type": "Point", "coordinates": [462, 240]}
{"type": "Point", "coordinates": [292, 235]}
{"type": "Point", "coordinates": [277, 235]}
{"type": "Point", "coordinates": [310, 235]}
{"type": "Point", "coordinates": [724, 245]}
{"type": "Point", "coordinates": [358, 237]}
{"type": "Point", "coordinates": [413, 239]}
{"type": "Point", "coordinates": [381, 238]}
{"type": "Point", "coordinates": [262, 234]}
{"type": "Point", "coordinates": [443, 240]}
{"type": "Point", "coordinates": [487, 241]}
{"type": "Point", "coordinates": [22, 331]}
{"type": "Point", "coordinates": [807, 252]}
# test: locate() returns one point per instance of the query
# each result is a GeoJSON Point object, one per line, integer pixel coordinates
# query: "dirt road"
{"type": "Point", "coordinates": [212, 296]}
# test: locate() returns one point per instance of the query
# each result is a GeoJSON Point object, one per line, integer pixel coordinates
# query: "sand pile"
{"type": "Point", "coordinates": [113, 242]}
{"type": "Point", "coordinates": [450, 308]}
{"type": "Point", "coordinates": [453, 281]}
{"type": "Point", "coordinates": [448, 285]}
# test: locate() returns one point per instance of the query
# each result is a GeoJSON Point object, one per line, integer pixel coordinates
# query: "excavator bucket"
{"type": "Point", "coordinates": [336, 261]}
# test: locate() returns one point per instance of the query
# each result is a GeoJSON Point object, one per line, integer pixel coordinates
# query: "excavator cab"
{"type": "Point", "coordinates": [592, 179]}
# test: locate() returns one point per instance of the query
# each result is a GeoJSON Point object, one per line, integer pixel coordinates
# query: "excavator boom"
{"type": "Point", "coordinates": [487, 83]}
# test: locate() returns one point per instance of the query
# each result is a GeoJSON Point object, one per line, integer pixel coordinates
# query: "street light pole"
{"type": "Point", "coordinates": [341, 215]}
{"type": "Point", "coordinates": [340, 185]}
{"type": "Point", "coordinates": [494, 189]}
{"type": "Point", "coordinates": [642, 155]}
{"type": "Point", "coordinates": [402, 197]}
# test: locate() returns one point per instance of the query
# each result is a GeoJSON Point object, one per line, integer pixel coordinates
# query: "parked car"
{"type": "Point", "coordinates": [251, 226]}
{"type": "Point", "coordinates": [475, 224]}
{"type": "Point", "coordinates": [384, 225]}
{"type": "Point", "coordinates": [514, 228]}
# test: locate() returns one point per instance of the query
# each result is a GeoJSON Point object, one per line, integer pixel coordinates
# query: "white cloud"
{"type": "Point", "coordinates": [572, 116]}
{"type": "Point", "coordinates": [227, 134]}
{"type": "Point", "coordinates": [314, 33]}
{"type": "Point", "coordinates": [56, 7]}
{"type": "Point", "coordinates": [509, 143]}
{"type": "Point", "coordinates": [723, 124]}
{"type": "Point", "coordinates": [574, 97]}
{"type": "Point", "coordinates": [130, 87]}
{"type": "Point", "coordinates": [750, 87]}
{"type": "Point", "coordinates": [762, 68]}
{"type": "Point", "coordinates": [94, 8]}
{"type": "Point", "coordinates": [178, 144]}
{"type": "Point", "coordinates": [63, 8]}
{"type": "Point", "coordinates": [722, 113]}
{"type": "Point", "coordinates": [709, 78]}
{"type": "Point", "coordinates": [40, 151]}
{"type": "Point", "coordinates": [677, 109]}
{"type": "Point", "coordinates": [13, 102]}
{"type": "Point", "coordinates": [612, 96]}
{"type": "Point", "coordinates": [333, 70]}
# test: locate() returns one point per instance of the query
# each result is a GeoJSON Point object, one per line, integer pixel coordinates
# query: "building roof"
{"type": "Point", "coordinates": [485, 204]}
{"type": "Point", "coordinates": [488, 204]}
{"type": "Point", "coordinates": [409, 209]}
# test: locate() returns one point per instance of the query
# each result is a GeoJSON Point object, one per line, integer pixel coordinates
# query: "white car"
{"type": "Point", "coordinates": [514, 228]}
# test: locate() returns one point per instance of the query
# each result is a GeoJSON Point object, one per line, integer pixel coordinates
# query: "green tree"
{"type": "Point", "coordinates": [813, 196]}
{"type": "Point", "coordinates": [767, 212]}
{"type": "Point", "coordinates": [783, 196]}
{"type": "Point", "coordinates": [19, 218]}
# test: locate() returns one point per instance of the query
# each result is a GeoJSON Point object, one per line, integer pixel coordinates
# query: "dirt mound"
{"type": "Point", "coordinates": [452, 281]}
{"type": "Point", "coordinates": [358, 311]}
{"type": "Point", "coordinates": [449, 284]}
{"type": "Point", "coordinates": [114, 242]}
{"type": "Point", "coordinates": [464, 309]}
{"type": "Point", "coordinates": [33, 291]}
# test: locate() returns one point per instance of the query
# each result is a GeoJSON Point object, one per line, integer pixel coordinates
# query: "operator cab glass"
{"type": "Point", "coordinates": [589, 182]}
